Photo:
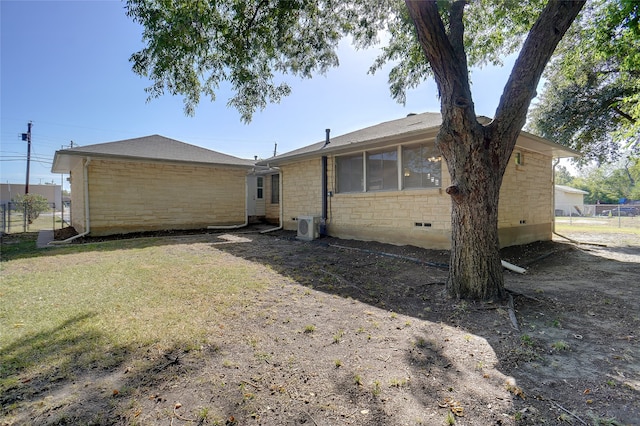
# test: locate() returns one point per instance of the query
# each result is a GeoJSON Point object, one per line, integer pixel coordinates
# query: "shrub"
{"type": "Point", "coordinates": [32, 205]}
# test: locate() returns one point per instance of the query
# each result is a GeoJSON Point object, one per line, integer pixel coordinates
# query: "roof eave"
{"type": "Point", "coordinates": [414, 136]}
{"type": "Point", "coordinates": [547, 147]}
{"type": "Point", "coordinates": [62, 160]}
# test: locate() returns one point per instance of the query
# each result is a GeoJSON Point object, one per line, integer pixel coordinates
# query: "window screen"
{"type": "Point", "coordinates": [421, 166]}
{"type": "Point", "coordinates": [382, 170]}
{"type": "Point", "coordinates": [350, 173]}
{"type": "Point", "coordinates": [275, 189]}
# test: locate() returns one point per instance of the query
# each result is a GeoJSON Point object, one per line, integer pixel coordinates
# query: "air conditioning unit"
{"type": "Point", "coordinates": [308, 227]}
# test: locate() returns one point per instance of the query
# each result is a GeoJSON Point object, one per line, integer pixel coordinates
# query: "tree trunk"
{"type": "Point", "coordinates": [477, 155]}
{"type": "Point", "coordinates": [475, 269]}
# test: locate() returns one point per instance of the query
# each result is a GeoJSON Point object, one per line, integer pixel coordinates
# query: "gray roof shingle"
{"type": "Point", "coordinates": [403, 126]}
{"type": "Point", "coordinates": [401, 129]}
{"type": "Point", "coordinates": [154, 147]}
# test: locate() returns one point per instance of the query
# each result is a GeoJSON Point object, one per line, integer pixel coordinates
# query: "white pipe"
{"type": "Point", "coordinates": [246, 211]}
{"type": "Point", "coordinates": [512, 267]}
{"type": "Point", "coordinates": [87, 222]}
{"type": "Point", "coordinates": [553, 196]}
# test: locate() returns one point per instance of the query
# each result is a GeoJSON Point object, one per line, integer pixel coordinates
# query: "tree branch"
{"type": "Point", "coordinates": [624, 114]}
{"type": "Point", "coordinates": [546, 33]}
{"type": "Point", "coordinates": [445, 54]}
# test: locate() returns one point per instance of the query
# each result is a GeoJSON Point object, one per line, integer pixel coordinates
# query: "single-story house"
{"type": "Point", "coordinates": [386, 183]}
{"type": "Point", "coordinates": [569, 201]}
{"type": "Point", "coordinates": [156, 183]}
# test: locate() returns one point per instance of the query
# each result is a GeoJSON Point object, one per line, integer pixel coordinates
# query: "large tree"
{"type": "Point", "coordinates": [194, 46]}
{"type": "Point", "coordinates": [591, 100]}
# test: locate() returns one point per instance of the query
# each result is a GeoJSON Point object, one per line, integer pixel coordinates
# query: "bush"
{"type": "Point", "coordinates": [32, 205]}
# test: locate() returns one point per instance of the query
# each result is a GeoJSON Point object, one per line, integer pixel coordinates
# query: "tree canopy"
{"type": "Point", "coordinates": [606, 184]}
{"type": "Point", "coordinates": [192, 48]}
{"type": "Point", "coordinates": [591, 100]}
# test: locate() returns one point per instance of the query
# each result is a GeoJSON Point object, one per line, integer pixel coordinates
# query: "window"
{"type": "Point", "coordinates": [275, 189]}
{"type": "Point", "coordinates": [421, 166]}
{"type": "Point", "coordinates": [260, 188]}
{"type": "Point", "coordinates": [382, 170]}
{"type": "Point", "coordinates": [350, 173]}
{"type": "Point", "coordinates": [519, 158]}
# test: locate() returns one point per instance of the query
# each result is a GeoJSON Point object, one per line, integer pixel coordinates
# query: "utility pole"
{"type": "Point", "coordinates": [27, 137]}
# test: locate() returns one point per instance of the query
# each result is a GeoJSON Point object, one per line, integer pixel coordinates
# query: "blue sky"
{"type": "Point", "coordinates": [65, 66]}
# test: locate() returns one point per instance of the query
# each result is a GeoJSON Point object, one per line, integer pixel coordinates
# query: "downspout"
{"type": "Point", "coordinates": [280, 200]}
{"type": "Point", "coordinates": [323, 222]}
{"type": "Point", "coordinates": [553, 207]}
{"type": "Point", "coordinates": [246, 211]}
{"type": "Point", "coordinates": [553, 198]}
{"type": "Point", "coordinates": [87, 221]}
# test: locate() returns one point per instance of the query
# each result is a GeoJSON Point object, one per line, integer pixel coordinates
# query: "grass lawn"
{"type": "Point", "coordinates": [69, 309]}
{"type": "Point", "coordinates": [600, 225]}
{"type": "Point", "coordinates": [242, 328]}
{"type": "Point", "coordinates": [46, 220]}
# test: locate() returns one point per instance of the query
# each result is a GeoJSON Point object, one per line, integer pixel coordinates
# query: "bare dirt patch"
{"type": "Point", "coordinates": [361, 333]}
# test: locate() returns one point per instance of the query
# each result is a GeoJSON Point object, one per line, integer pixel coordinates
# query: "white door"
{"type": "Point", "coordinates": [255, 196]}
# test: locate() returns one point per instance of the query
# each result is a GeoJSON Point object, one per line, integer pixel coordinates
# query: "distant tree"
{"type": "Point", "coordinates": [611, 183]}
{"type": "Point", "coordinates": [194, 46]}
{"type": "Point", "coordinates": [32, 205]}
{"type": "Point", "coordinates": [562, 176]}
{"type": "Point", "coordinates": [591, 100]}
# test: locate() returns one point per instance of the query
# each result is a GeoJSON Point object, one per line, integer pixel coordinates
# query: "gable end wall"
{"type": "Point", "coordinates": [137, 196]}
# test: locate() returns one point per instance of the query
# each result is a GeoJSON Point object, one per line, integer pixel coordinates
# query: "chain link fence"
{"type": "Point", "coordinates": [14, 219]}
{"type": "Point", "coordinates": [599, 215]}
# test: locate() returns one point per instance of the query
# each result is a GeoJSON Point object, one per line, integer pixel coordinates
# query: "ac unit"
{"type": "Point", "coordinates": [308, 227]}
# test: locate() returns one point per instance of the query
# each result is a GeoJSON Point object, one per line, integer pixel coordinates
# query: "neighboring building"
{"type": "Point", "coordinates": [569, 201]}
{"type": "Point", "coordinates": [155, 183]}
{"type": "Point", "coordinates": [386, 183]}
{"type": "Point", "coordinates": [52, 192]}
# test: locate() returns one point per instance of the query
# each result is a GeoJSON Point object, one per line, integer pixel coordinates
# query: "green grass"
{"type": "Point", "coordinates": [44, 221]}
{"type": "Point", "coordinates": [627, 225]}
{"type": "Point", "coordinates": [70, 308]}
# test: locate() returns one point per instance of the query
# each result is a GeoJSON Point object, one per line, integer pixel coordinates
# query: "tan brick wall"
{"type": "Point", "coordinates": [77, 194]}
{"type": "Point", "coordinates": [525, 212]}
{"type": "Point", "coordinates": [301, 184]}
{"type": "Point", "coordinates": [391, 216]}
{"type": "Point", "coordinates": [137, 196]}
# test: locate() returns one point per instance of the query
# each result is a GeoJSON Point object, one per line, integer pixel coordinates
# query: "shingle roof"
{"type": "Point", "coordinates": [395, 131]}
{"type": "Point", "coordinates": [154, 147]}
{"type": "Point", "coordinates": [403, 126]}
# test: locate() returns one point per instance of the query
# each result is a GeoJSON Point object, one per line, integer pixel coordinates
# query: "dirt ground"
{"type": "Point", "coordinates": [360, 333]}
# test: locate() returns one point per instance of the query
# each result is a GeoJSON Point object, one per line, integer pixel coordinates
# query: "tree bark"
{"type": "Point", "coordinates": [477, 155]}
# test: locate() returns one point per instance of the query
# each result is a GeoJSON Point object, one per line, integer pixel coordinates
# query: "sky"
{"type": "Point", "coordinates": [64, 66]}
